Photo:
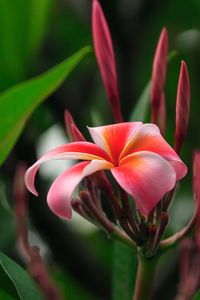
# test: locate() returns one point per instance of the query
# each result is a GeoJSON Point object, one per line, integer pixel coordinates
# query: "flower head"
{"type": "Point", "coordinates": [140, 160]}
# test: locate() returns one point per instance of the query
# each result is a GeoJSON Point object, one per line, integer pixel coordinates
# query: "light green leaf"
{"type": "Point", "coordinates": [124, 272]}
{"type": "Point", "coordinates": [140, 111]}
{"type": "Point", "coordinates": [15, 276]}
{"type": "Point", "coordinates": [18, 102]}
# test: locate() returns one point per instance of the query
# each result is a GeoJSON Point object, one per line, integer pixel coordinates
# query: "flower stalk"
{"type": "Point", "coordinates": [145, 277]}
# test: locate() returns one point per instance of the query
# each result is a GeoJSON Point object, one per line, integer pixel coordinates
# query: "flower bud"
{"type": "Point", "coordinates": [105, 58]}
{"type": "Point", "coordinates": [182, 107]}
{"type": "Point", "coordinates": [159, 75]}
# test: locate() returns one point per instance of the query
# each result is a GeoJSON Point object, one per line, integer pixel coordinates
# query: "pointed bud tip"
{"type": "Point", "coordinates": [164, 35]}
{"type": "Point", "coordinates": [184, 72]}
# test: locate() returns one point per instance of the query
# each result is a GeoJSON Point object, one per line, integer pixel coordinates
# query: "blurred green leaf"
{"type": "Point", "coordinates": [70, 286]}
{"type": "Point", "coordinates": [37, 24]}
{"type": "Point", "coordinates": [23, 24]}
{"type": "Point", "coordinates": [140, 110]}
{"type": "Point", "coordinates": [5, 296]}
{"type": "Point", "coordinates": [18, 102]}
{"type": "Point", "coordinates": [23, 283]}
{"type": "Point", "coordinates": [197, 296]}
{"type": "Point", "coordinates": [124, 272]}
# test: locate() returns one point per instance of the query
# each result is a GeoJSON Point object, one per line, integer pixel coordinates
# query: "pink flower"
{"type": "Point", "coordinates": [140, 160]}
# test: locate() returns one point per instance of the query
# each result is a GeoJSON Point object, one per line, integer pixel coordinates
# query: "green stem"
{"type": "Point", "coordinates": [144, 278]}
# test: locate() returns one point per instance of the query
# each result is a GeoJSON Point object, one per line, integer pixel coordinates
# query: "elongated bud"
{"type": "Point", "coordinates": [73, 132]}
{"type": "Point", "coordinates": [196, 181]}
{"type": "Point", "coordinates": [78, 207]}
{"type": "Point", "coordinates": [20, 196]}
{"type": "Point", "coordinates": [152, 230]}
{"type": "Point", "coordinates": [182, 107]}
{"type": "Point", "coordinates": [105, 58]}
{"type": "Point", "coordinates": [164, 220]}
{"type": "Point", "coordinates": [35, 264]}
{"type": "Point", "coordinates": [97, 213]}
{"type": "Point", "coordinates": [159, 75]}
{"type": "Point", "coordinates": [68, 121]}
{"type": "Point", "coordinates": [19, 191]}
{"type": "Point", "coordinates": [195, 221]}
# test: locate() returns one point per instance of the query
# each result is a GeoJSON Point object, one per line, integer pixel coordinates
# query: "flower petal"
{"type": "Point", "coordinates": [105, 58]}
{"type": "Point", "coordinates": [147, 177]}
{"type": "Point", "coordinates": [148, 138]}
{"type": "Point", "coordinates": [113, 138]}
{"type": "Point", "coordinates": [60, 192]}
{"type": "Point", "coordinates": [78, 150]}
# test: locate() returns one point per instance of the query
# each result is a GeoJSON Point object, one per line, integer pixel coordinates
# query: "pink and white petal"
{"type": "Point", "coordinates": [148, 138]}
{"type": "Point", "coordinates": [147, 177]}
{"type": "Point", "coordinates": [59, 195]}
{"type": "Point", "coordinates": [113, 138]}
{"type": "Point", "coordinates": [77, 150]}
{"type": "Point", "coordinates": [60, 192]}
{"type": "Point", "coordinates": [96, 165]}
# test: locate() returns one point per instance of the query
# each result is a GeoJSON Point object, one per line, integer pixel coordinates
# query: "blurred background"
{"type": "Point", "coordinates": [35, 35]}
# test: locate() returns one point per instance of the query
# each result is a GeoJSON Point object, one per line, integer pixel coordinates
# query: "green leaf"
{"type": "Point", "coordinates": [17, 278]}
{"type": "Point", "coordinates": [140, 110]}
{"type": "Point", "coordinates": [124, 272]}
{"type": "Point", "coordinates": [5, 296]}
{"type": "Point", "coordinates": [197, 296]}
{"type": "Point", "coordinates": [18, 102]}
{"type": "Point", "coordinates": [37, 24]}
{"type": "Point", "coordinates": [23, 24]}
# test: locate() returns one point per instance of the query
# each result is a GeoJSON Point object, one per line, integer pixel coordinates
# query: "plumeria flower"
{"type": "Point", "coordinates": [139, 158]}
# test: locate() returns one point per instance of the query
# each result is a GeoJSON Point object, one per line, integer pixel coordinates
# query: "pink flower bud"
{"type": "Point", "coordinates": [73, 132]}
{"type": "Point", "coordinates": [182, 107]}
{"type": "Point", "coordinates": [68, 121]}
{"type": "Point", "coordinates": [105, 58]}
{"type": "Point", "coordinates": [159, 74]}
